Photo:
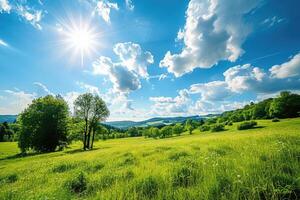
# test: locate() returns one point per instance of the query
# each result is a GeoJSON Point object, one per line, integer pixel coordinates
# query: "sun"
{"type": "Point", "coordinates": [79, 38]}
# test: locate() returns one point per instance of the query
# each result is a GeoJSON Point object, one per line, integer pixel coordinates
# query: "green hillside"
{"type": "Point", "coordinates": [261, 163]}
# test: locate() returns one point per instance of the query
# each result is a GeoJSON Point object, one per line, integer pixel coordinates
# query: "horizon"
{"type": "Point", "coordinates": [148, 59]}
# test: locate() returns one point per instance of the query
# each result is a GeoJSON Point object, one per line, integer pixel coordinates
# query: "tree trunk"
{"type": "Point", "coordinates": [85, 134]}
{"type": "Point", "coordinates": [93, 138]}
{"type": "Point", "coordinates": [89, 137]}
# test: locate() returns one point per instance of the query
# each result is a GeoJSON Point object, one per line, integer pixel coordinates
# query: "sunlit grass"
{"type": "Point", "coordinates": [261, 163]}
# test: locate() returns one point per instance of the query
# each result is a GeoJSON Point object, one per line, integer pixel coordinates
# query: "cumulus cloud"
{"type": "Point", "coordinates": [203, 107]}
{"type": "Point", "coordinates": [123, 80]}
{"type": "Point", "coordinates": [214, 31]}
{"type": "Point", "coordinates": [211, 91]}
{"type": "Point", "coordinates": [129, 5]}
{"type": "Point", "coordinates": [103, 9]}
{"type": "Point", "coordinates": [168, 106]}
{"type": "Point", "coordinates": [134, 58]}
{"type": "Point", "coordinates": [125, 74]}
{"type": "Point", "coordinates": [288, 69]}
{"type": "Point", "coordinates": [250, 78]}
{"type": "Point", "coordinates": [5, 6]}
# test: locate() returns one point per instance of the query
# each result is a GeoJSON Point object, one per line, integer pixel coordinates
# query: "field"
{"type": "Point", "coordinates": [261, 163]}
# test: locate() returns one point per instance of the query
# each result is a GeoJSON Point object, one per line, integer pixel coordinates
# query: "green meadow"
{"type": "Point", "coordinates": [260, 163]}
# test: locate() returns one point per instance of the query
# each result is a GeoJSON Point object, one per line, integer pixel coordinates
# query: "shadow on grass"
{"type": "Point", "coordinates": [81, 150]}
{"type": "Point", "coordinates": [20, 155]}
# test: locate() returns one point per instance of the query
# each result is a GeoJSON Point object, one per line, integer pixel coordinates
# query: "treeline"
{"type": "Point", "coordinates": [286, 105]}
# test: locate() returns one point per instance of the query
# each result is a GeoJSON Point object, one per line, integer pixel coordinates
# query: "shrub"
{"type": "Point", "coordinates": [78, 184]}
{"type": "Point", "coordinates": [275, 120]}
{"type": "Point", "coordinates": [204, 128]}
{"type": "Point", "coordinates": [147, 187]}
{"type": "Point", "coordinates": [9, 178]}
{"type": "Point", "coordinates": [217, 127]}
{"type": "Point", "coordinates": [247, 125]}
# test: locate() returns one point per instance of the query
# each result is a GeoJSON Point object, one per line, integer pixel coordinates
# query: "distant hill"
{"type": "Point", "coordinates": [8, 118]}
{"type": "Point", "coordinates": [156, 121]}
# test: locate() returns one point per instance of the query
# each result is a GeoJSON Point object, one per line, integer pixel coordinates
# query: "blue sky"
{"type": "Point", "coordinates": [149, 58]}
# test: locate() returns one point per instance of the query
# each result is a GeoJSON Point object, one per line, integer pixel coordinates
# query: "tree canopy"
{"type": "Point", "coordinates": [92, 109]}
{"type": "Point", "coordinates": [44, 124]}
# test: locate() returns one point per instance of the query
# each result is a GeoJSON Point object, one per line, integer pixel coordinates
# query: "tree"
{"type": "Point", "coordinates": [133, 132]}
{"type": "Point", "coordinates": [92, 109]}
{"type": "Point", "coordinates": [43, 124]}
{"type": "Point", "coordinates": [286, 105]}
{"type": "Point", "coordinates": [166, 131]}
{"type": "Point", "coordinates": [189, 126]}
{"type": "Point", "coordinates": [177, 129]}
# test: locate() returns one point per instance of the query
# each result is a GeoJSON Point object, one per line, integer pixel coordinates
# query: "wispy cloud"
{"type": "Point", "coordinates": [271, 21]}
{"type": "Point", "coordinates": [129, 5]}
{"type": "Point", "coordinates": [24, 10]}
{"type": "Point", "coordinates": [3, 43]}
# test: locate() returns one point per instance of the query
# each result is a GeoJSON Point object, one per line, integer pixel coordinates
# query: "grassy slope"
{"type": "Point", "coordinates": [261, 163]}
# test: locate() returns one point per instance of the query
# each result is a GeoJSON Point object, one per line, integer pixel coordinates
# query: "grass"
{"type": "Point", "coordinates": [260, 163]}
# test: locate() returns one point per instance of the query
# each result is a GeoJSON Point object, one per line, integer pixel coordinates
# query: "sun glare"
{"type": "Point", "coordinates": [80, 39]}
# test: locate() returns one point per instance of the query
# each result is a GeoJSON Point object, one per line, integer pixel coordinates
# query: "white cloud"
{"type": "Point", "coordinates": [214, 31]}
{"type": "Point", "coordinates": [42, 90]}
{"type": "Point", "coordinates": [249, 78]}
{"type": "Point", "coordinates": [103, 8]}
{"type": "Point", "coordinates": [31, 15]}
{"type": "Point", "coordinates": [134, 58]}
{"type": "Point", "coordinates": [3, 43]}
{"type": "Point", "coordinates": [272, 21]}
{"type": "Point", "coordinates": [123, 80]}
{"type": "Point", "coordinates": [70, 98]}
{"type": "Point", "coordinates": [129, 5]}
{"type": "Point", "coordinates": [125, 74]}
{"type": "Point", "coordinates": [22, 8]}
{"type": "Point", "coordinates": [5, 6]}
{"type": "Point", "coordinates": [89, 88]}
{"type": "Point", "coordinates": [168, 106]}
{"type": "Point", "coordinates": [287, 69]}
{"type": "Point", "coordinates": [14, 102]}
{"type": "Point", "coordinates": [211, 91]}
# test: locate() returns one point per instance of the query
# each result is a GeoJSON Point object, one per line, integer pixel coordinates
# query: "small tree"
{"type": "Point", "coordinates": [43, 124]}
{"type": "Point", "coordinates": [93, 110]}
{"type": "Point", "coordinates": [177, 129]}
{"type": "Point", "coordinates": [166, 131]}
{"type": "Point", "coordinates": [189, 126]}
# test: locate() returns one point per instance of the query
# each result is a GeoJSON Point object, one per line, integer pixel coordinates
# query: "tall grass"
{"type": "Point", "coordinates": [261, 163]}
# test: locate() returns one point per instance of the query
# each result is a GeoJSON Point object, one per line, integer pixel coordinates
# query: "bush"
{"type": "Point", "coordinates": [11, 178]}
{"type": "Point", "coordinates": [247, 125]}
{"type": "Point", "coordinates": [204, 128]}
{"type": "Point", "coordinates": [78, 184]}
{"type": "Point", "coordinates": [275, 120]}
{"type": "Point", "coordinates": [217, 127]}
